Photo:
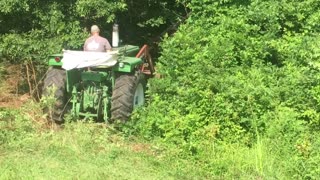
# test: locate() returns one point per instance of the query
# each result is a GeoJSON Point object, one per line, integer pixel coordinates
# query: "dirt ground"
{"type": "Point", "coordinates": [11, 96]}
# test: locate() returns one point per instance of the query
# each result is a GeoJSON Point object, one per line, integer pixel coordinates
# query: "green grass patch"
{"type": "Point", "coordinates": [81, 150]}
{"type": "Point", "coordinates": [30, 149]}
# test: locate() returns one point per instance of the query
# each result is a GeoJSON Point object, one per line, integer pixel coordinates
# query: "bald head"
{"type": "Point", "coordinates": [95, 29]}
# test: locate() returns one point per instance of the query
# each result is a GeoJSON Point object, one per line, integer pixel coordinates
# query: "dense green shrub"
{"type": "Point", "coordinates": [238, 72]}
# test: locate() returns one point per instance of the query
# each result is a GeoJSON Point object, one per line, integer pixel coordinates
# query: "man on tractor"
{"type": "Point", "coordinates": [95, 42]}
{"type": "Point", "coordinates": [110, 92]}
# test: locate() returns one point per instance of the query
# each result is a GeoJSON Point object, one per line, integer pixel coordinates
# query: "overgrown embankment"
{"type": "Point", "coordinates": [239, 99]}
{"type": "Point", "coordinates": [241, 75]}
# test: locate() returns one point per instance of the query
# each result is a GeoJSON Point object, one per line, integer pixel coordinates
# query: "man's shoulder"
{"type": "Point", "coordinates": [90, 38]}
{"type": "Point", "coordinates": [101, 38]}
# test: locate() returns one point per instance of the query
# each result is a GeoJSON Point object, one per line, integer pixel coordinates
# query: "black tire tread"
{"type": "Point", "coordinates": [56, 77]}
{"type": "Point", "coordinates": [122, 96]}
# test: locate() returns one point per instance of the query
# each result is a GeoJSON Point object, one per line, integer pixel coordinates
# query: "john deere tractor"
{"type": "Point", "coordinates": [104, 86]}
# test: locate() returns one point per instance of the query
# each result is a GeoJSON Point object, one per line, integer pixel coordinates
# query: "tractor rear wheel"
{"type": "Point", "coordinates": [128, 93]}
{"type": "Point", "coordinates": [56, 80]}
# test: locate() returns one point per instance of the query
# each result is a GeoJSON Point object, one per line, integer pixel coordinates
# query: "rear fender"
{"type": "Point", "coordinates": [55, 60]}
{"type": "Point", "coordinates": [127, 64]}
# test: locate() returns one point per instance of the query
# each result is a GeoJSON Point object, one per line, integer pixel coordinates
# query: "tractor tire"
{"type": "Point", "coordinates": [128, 93]}
{"type": "Point", "coordinates": [57, 78]}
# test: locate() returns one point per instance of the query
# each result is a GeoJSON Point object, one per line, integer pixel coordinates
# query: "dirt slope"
{"type": "Point", "coordinates": [10, 81]}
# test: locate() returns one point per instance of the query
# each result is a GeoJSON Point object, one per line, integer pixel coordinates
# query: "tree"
{"type": "Point", "coordinates": [35, 28]}
{"type": "Point", "coordinates": [32, 29]}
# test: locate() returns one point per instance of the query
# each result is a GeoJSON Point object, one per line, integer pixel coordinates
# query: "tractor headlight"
{"type": "Point", "coordinates": [121, 65]}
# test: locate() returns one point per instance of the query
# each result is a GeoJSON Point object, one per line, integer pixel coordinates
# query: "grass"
{"type": "Point", "coordinates": [29, 149]}
{"type": "Point", "coordinates": [65, 158]}
{"type": "Point", "coordinates": [81, 150]}
{"type": "Point", "coordinates": [87, 150]}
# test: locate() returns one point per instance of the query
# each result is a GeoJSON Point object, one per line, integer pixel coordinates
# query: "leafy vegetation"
{"type": "Point", "coordinates": [238, 98]}
{"type": "Point", "coordinates": [33, 29]}
{"type": "Point", "coordinates": [241, 74]}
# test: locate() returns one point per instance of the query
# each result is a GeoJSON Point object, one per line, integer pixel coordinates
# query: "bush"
{"type": "Point", "coordinates": [241, 73]}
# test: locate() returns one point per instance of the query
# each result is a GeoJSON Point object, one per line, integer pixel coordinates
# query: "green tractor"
{"type": "Point", "coordinates": [103, 91]}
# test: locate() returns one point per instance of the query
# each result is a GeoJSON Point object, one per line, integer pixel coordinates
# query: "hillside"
{"type": "Point", "coordinates": [238, 96]}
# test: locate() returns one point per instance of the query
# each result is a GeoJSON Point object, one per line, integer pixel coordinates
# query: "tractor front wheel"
{"type": "Point", "coordinates": [128, 93]}
{"type": "Point", "coordinates": [55, 84]}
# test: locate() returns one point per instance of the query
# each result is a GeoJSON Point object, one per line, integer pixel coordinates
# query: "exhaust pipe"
{"type": "Point", "coordinates": [115, 35]}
